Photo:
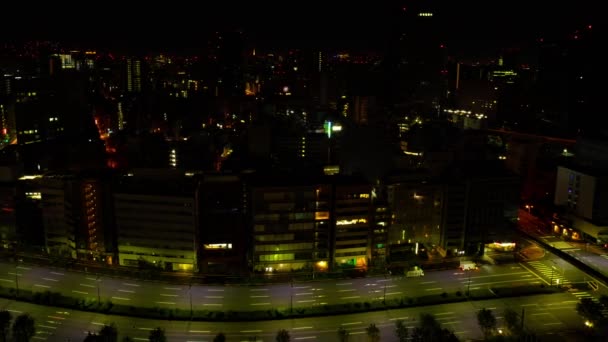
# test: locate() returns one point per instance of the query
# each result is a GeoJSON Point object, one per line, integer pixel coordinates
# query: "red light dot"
{"type": "Point", "coordinates": [589, 27]}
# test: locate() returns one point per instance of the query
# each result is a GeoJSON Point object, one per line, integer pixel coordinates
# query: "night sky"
{"type": "Point", "coordinates": [178, 24]}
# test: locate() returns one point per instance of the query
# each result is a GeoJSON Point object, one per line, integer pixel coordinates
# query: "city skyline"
{"type": "Point", "coordinates": [470, 26]}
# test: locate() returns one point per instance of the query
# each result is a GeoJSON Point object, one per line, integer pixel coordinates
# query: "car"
{"type": "Point", "coordinates": [468, 265]}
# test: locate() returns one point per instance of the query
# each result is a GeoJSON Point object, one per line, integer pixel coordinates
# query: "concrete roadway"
{"type": "Point", "coordinates": [244, 298]}
{"type": "Point", "coordinates": [552, 316]}
{"type": "Point", "coordinates": [590, 254]}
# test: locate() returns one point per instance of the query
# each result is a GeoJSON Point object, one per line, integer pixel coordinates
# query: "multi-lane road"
{"type": "Point", "coordinates": [594, 256]}
{"type": "Point", "coordinates": [279, 296]}
{"type": "Point", "coordinates": [552, 315]}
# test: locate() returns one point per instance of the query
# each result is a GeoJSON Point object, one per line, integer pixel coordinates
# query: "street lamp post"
{"type": "Point", "coordinates": [98, 291]}
{"type": "Point", "coordinates": [190, 293]}
{"type": "Point", "coordinates": [469, 283]}
{"type": "Point", "coordinates": [291, 296]}
{"type": "Point", "coordinates": [384, 297]}
{"type": "Point", "coordinates": [16, 280]}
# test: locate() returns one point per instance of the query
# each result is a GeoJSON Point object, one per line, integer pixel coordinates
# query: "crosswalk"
{"type": "Point", "coordinates": [554, 275]}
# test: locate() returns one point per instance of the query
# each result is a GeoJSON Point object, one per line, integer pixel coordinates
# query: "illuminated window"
{"type": "Point", "coordinates": [321, 215]}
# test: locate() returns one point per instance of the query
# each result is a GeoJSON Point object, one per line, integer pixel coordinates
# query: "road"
{"type": "Point", "coordinates": [547, 315]}
{"type": "Point", "coordinates": [591, 255]}
{"type": "Point", "coordinates": [251, 298]}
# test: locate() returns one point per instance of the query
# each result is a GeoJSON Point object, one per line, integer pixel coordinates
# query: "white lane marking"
{"type": "Point", "coordinates": [306, 301]}
{"type": "Point", "coordinates": [259, 304]}
{"type": "Point", "coordinates": [388, 286]}
{"type": "Point", "coordinates": [140, 339]}
{"type": "Point", "coordinates": [556, 323]}
{"type": "Point", "coordinates": [343, 284]}
{"type": "Point", "coordinates": [81, 292]}
{"type": "Point", "coordinates": [301, 287]}
{"type": "Point", "coordinates": [127, 291]}
{"type": "Point", "coordinates": [7, 280]}
{"type": "Point", "coordinates": [254, 290]}
{"type": "Point", "coordinates": [39, 285]}
{"type": "Point", "coordinates": [130, 284]}
{"type": "Point", "coordinates": [89, 278]}
{"type": "Point", "coordinates": [172, 288]}
{"type": "Point", "coordinates": [168, 295]}
{"type": "Point", "coordinates": [57, 273]}
{"type": "Point", "coordinates": [23, 268]}
{"type": "Point", "coordinates": [97, 323]}
{"type": "Point", "coordinates": [348, 290]}
{"type": "Point", "coordinates": [351, 323]}
{"type": "Point", "coordinates": [15, 274]}
{"type": "Point", "coordinates": [383, 280]}
{"type": "Point", "coordinates": [305, 338]}
{"type": "Point", "coordinates": [168, 303]}
{"type": "Point", "coordinates": [199, 331]}
{"type": "Point", "coordinates": [427, 282]}
{"type": "Point", "coordinates": [38, 337]}
{"type": "Point", "coordinates": [87, 285]}
{"type": "Point", "coordinates": [397, 318]}
{"type": "Point", "coordinates": [120, 298]}
{"type": "Point", "coordinates": [351, 297]}
{"type": "Point", "coordinates": [47, 326]}
{"type": "Point", "coordinates": [301, 328]}
{"type": "Point", "coordinates": [393, 293]}
{"type": "Point", "coordinates": [356, 332]}
{"type": "Point", "coordinates": [259, 296]}
{"type": "Point", "coordinates": [212, 304]}
{"type": "Point", "coordinates": [214, 297]}
{"type": "Point", "coordinates": [433, 289]}
{"type": "Point", "coordinates": [50, 279]}
{"type": "Point", "coordinates": [147, 329]}
{"type": "Point", "coordinates": [250, 331]}
{"type": "Point", "coordinates": [215, 290]}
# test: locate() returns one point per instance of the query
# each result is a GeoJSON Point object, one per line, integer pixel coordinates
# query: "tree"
{"type": "Point", "coordinates": [5, 323]}
{"type": "Point", "coordinates": [487, 322]}
{"type": "Point", "coordinates": [512, 321]}
{"type": "Point", "coordinates": [283, 336]}
{"type": "Point", "coordinates": [343, 334]}
{"type": "Point", "coordinates": [429, 329]}
{"type": "Point", "coordinates": [401, 331]}
{"type": "Point", "coordinates": [90, 338]}
{"type": "Point", "coordinates": [23, 328]}
{"type": "Point", "coordinates": [373, 333]}
{"type": "Point", "coordinates": [590, 310]}
{"type": "Point", "coordinates": [219, 338]}
{"type": "Point", "coordinates": [157, 335]}
{"type": "Point", "coordinates": [108, 333]}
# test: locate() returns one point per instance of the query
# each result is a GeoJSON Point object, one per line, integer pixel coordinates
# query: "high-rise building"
{"type": "Point", "coordinates": [156, 219]}
{"type": "Point", "coordinates": [133, 75]}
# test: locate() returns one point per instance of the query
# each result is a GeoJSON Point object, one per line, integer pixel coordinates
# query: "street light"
{"type": "Point", "coordinates": [384, 297]}
{"type": "Point", "coordinates": [98, 290]}
{"type": "Point", "coordinates": [469, 282]}
{"type": "Point", "coordinates": [291, 297]}
{"type": "Point", "coordinates": [190, 293]}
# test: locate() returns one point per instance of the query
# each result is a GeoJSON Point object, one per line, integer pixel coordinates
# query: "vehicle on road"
{"type": "Point", "coordinates": [415, 272]}
{"type": "Point", "coordinates": [468, 265]}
